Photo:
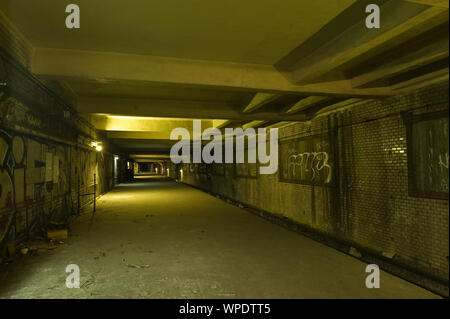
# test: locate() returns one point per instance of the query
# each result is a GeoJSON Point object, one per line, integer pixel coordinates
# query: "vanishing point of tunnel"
{"type": "Point", "coordinates": [224, 149]}
{"type": "Point", "coordinates": [155, 238]}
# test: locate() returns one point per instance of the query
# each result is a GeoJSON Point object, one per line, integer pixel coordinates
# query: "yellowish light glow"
{"type": "Point", "coordinates": [147, 118]}
{"type": "Point", "coordinates": [94, 144]}
{"type": "Point", "coordinates": [98, 148]}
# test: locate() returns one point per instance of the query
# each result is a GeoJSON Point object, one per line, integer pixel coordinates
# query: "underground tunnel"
{"type": "Point", "coordinates": [224, 150]}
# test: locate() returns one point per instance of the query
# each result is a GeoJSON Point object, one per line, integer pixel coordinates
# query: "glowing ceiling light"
{"type": "Point", "coordinates": [98, 148]}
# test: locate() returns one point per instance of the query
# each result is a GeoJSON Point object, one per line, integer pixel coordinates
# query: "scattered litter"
{"type": "Point", "coordinates": [102, 254]}
{"type": "Point", "coordinates": [88, 282]}
{"type": "Point", "coordinates": [138, 266]}
{"type": "Point", "coordinates": [37, 247]}
{"type": "Point", "coordinates": [57, 234]}
{"type": "Point", "coordinates": [32, 247]}
{"type": "Point", "coordinates": [134, 265]}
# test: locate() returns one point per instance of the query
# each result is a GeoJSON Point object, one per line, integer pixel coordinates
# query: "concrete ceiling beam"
{"type": "Point", "coordinates": [259, 100]}
{"type": "Point", "coordinates": [142, 124]}
{"type": "Point", "coordinates": [107, 68]}
{"type": "Point", "coordinates": [358, 44]}
{"type": "Point", "coordinates": [175, 109]}
{"type": "Point", "coordinates": [431, 78]}
{"type": "Point", "coordinates": [258, 124]}
{"type": "Point", "coordinates": [433, 3]}
{"type": "Point", "coordinates": [417, 59]}
{"type": "Point", "coordinates": [153, 136]}
{"type": "Point", "coordinates": [304, 104]}
{"type": "Point", "coordinates": [336, 106]}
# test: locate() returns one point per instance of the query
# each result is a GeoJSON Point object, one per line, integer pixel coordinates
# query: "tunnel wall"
{"type": "Point", "coordinates": [367, 202]}
{"type": "Point", "coordinates": [45, 157]}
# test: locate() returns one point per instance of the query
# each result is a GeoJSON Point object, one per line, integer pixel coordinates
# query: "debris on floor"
{"type": "Point", "coordinates": [102, 254]}
{"type": "Point", "coordinates": [88, 282]}
{"type": "Point", "coordinates": [37, 246]}
{"type": "Point", "coordinates": [134, 265]}
{"type": "Point", "coordinates": [60, 234]}
{"type": "Point", "coordinates": [138, 266]}
{"type": "Point", "coordinates": [34, 246]}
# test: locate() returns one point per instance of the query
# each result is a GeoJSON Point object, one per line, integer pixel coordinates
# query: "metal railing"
{"type": "Point", "coordinates": [86, 194]}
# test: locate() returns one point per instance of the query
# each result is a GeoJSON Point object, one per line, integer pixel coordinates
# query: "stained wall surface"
{"type": "Point", "coordinates": [345, 175]}
{"type": "Point", "coordinates": [45, 158]}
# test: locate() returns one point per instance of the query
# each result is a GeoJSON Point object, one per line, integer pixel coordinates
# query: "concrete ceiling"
{"type": "Point", "coordinates": [247, 63]}
{"type": "Point", "coordinates": [260, 31]}
{"type": "Point", "coordinates": [155, 91]}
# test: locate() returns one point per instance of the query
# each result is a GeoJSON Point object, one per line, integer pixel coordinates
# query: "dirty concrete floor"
{"type": "Point", "coordinates": [160, 239]}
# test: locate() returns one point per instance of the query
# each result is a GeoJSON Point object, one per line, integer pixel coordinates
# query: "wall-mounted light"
{"type": "Point", "coordinates": [97, 145]}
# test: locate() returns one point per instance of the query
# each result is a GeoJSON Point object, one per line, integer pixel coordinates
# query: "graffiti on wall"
{"type": "Point", "coordinates": [428, 154]}
{"type": "Point", "coordinates": [306, 160]}
{"type": "Point", "coordinates": [38, 176]}
{"type": "Point", "coordinates": [6, 185]}
{"type": "Point", "coordinates": [310, 164]}
{"type": "Point", "coordinates": [39, 181]}
{"type": "Point", "coordinates": [33, 183]}
{"type": "Point", "coordinates": [13, 110]}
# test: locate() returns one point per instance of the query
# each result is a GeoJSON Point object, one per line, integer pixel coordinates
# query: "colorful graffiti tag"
{"type": "Point", "coordinates": [33, 183]}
